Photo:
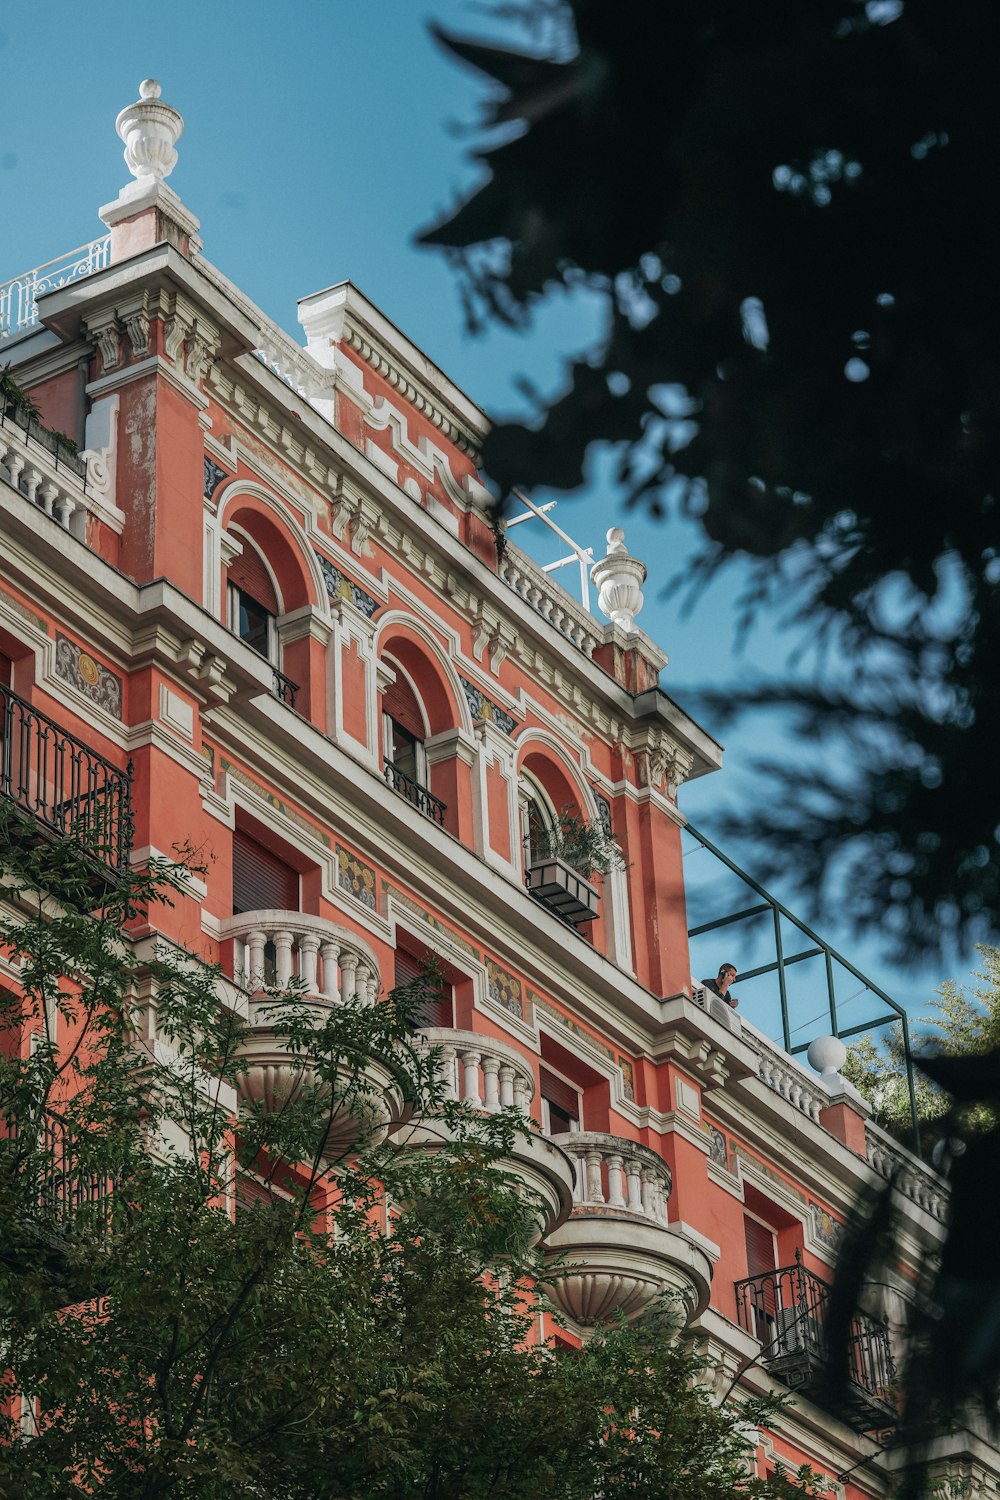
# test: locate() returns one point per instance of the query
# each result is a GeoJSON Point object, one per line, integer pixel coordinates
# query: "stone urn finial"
{"type": "Point", "coordinates": [619, 577]}
{"type": "Point", "coordinates": [150, 130]}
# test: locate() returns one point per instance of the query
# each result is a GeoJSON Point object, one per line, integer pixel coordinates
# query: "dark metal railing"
{"type": "Point", "coordinates": [64, 785]}
{"type": "Point", "coordinates": [786, 1310]}
{"type": "Point", "coordinates": [63, 1185]}
{"type": "Point", "coordinates": [424, 801]}
{"type": "Point", "coordinates": [283, 688]}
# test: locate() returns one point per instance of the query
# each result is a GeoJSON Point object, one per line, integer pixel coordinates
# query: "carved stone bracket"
{"type": "Point", "coordinates": [104, 329]}
{"type": "Point", "coordinates": [661, 763]}
{"type": "Point", "coordinates": [494, 634]}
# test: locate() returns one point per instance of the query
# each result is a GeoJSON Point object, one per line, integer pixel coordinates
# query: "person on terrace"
{"type": "Point", "coordinates": [720, 984]}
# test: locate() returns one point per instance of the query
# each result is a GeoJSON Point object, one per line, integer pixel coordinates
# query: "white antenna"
{"type": "Point", "coordinates": [582, 555]}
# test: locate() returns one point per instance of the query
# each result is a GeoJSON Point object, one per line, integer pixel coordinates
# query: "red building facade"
{"type": "Point", "coordinates": [269, 583]}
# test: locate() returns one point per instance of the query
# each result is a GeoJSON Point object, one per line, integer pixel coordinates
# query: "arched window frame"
{"type": "Point", "coordinates": [390, 726]}
{"type": "Point", "coordinates": [233, 602]}
{"type": "Point", "coordinates": [531, 792]}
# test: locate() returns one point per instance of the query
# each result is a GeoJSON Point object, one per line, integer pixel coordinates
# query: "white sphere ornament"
{"type": "Point", "coordinates": [620, 578]}
{"type": "Point", "coordinates": [150, 130]}
{"type": "Point", "coordinates": [827, 1054]}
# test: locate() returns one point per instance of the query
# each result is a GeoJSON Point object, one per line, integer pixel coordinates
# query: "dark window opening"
{"type": "Point", "coordinates": [436, 1005]}
{"type": "Point", "coordinates": [402, 750]}
{"type": "Point", "coordinates": [262, 881]}
{"type": "Point", "coordinates": [253, 623]}
{"type": "Point", "coordinates": [562, 1103]}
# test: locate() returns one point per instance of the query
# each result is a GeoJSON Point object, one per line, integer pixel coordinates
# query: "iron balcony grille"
{"type": "Point", "coordinates": [424, 801]}
{"type": "Point", "coordinates": [67, 788]}
{"type": "Point", "coordinates": [64, 1186]}
{"type": "Point", "coordinates": [283, 688]}
{"type": "Point", "coordinates": [786, 1311]}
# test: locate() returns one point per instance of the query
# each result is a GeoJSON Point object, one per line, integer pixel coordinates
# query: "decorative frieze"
{"type": "Point", "coordinates": [241, 777]}
{"type": "Point", "coordinates": [93, 680]}
{"type": "Point", "coordinates": [213, 477]}
{"type": "Point", "coordinates": [339, 586]}
{"type": "Point", "coordinates": [355, 877]}
{"type": "Point", "coordinates": [399, 899]}
{"type": "Point", "coordinates": [482, 707]}
{"type": "Point", "coordinates": [504, 989]}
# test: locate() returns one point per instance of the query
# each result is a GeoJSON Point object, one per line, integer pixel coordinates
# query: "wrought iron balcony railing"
{"type": "Point", "coordinates": [19, 297]}
{"type": "Point", "coordinates": [424, 801]}
{"type": "Point", "coordinates": [284, 688]}
{"type": "Point", "coordinates": [786, 1310]}
{"type": "Point", "coordinates": [64, 1185]}
{"type": "Point", "coordinates": [67, 788]}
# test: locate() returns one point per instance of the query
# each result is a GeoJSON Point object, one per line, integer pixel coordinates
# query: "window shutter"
{"type": "Point", "coordinates": [261, 881]}
{"type": "Point", "coordinates": [6, 670]}
{"type": "Point", "coordinates": [761, 1258]}
{"type": "Point", "coordinates": [399, 701]}
{"type": "Point", "coordinates": [760, 1247]}
{"type": "Point", "coordinates": [562, 1095]}
{"type": "Point", "coordinates": [247, 572]}
{"type": "Point", "coordinates": [435, 1010]}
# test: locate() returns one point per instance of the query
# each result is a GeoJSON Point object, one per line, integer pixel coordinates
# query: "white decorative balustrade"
{"type": "Point", "coordinates": [548, 599]}
{"type": "Point", "coordinates": [275, 348]}
{"type": "Point", "coordinates": [616, 1252]}
{"type": "Point", "coordinates": [480, 1071]}
{"type": "Point", "coordinates": [38, 475]}
{"type": "Point", "coordinates": [617, 1175]}
{"type": "Point", "coordinates": [271, 948]}
{"type": "Point", "coordinates": [913, 1178]}
{"type": "Point", "coordinates": [19, 296]}
{"type": "Point", "coordinates": [786, 1077]}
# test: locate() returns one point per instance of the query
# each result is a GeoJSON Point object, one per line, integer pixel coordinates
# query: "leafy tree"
{"type": "Point", "coordinates": [165, 1337]}
{"type": "Point", "coordinates": [961, 1024]}
{"type": "Point", "coordinates": [782, 208]}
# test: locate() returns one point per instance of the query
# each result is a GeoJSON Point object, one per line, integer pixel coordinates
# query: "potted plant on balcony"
{"type": "Point", "coordinates": [568, 853]}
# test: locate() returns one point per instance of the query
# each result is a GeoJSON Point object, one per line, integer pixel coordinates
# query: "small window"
{"type": "Point", "coordinates": [762, 1260]}
{"type": "Point", "coordinates": [253, 603]}
{"type": "Point", "coordinates": [561, 1111]}
{"type": "Point", "coordinates": [404, 730]}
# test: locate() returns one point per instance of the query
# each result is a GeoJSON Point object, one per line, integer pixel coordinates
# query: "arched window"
{"type": "Point", "coordinates": [538, 819]}
{"type": "Point", "coordinates": [254, 606]}
{"type": "Point", "coordinates": [405, 727]}
{"type": "Point", "coordinates": [404, 730]}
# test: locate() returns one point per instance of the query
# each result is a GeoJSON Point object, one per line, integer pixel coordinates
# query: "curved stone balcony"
{"type": "Point", "coordinates": [616, 1247]}
{"type": "Point", "coordinates": [488, 1075]}
{"type": "Point", "coordinates": [269, 950]}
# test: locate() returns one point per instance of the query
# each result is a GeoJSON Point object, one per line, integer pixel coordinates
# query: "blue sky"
{"type": "Point", "coordinates": [319, 136]}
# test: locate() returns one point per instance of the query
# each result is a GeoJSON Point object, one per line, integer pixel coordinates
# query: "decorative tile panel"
{"type": "Point", "coordinates": [628, 1078]}
{"type": "Point", "coordinates": [718, 1151]}
{"type": "Point", "coordinates": [504, 989]}
{"type": "Point", "coordinates": [91, 679]}
{"type": "Point", "coordinates": [355, 876]}
{"type": "Point", "coordinates": [482, 707]}
{"type": "Point", "coordinates": [339, 586]}
{"type": "Point", "coordinates": [827, 1230]}
{"type": "Point", "coordinates": [213, 477]}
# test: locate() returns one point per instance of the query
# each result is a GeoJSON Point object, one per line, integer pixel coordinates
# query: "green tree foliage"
{"type": "Point", "coordinates": [963, 1023]}
{"type": "Point", "coordinates": [167, 1346]}
{"type": "Point", "coordinates": [782, 208]}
